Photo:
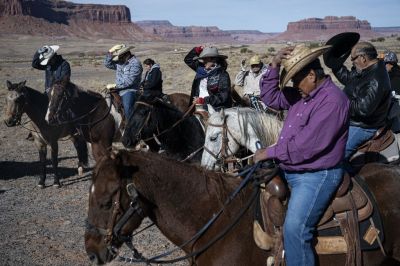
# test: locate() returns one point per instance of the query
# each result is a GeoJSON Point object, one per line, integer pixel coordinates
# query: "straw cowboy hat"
{"type": "Point", "coordinates": [210, 52]}
{"type": "Point", "coordinates": [46, 53]}
{"type": "Point", "coordinates": [255, 60]}
{"type": "Point", "coordinates": [116, 54]}
{"type": "Point", "coordinates": [300, 57]}
{"type": "Point", "coordinates": [342, 44]}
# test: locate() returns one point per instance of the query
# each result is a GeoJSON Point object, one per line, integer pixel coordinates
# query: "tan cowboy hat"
{"type": "Point", "coordinates": [300, 57]}
{"type": "Point", "coordinates": [210, 52]}
{"type": "Point", "coordinates": [49, 52]}
{"type": "Point", "coordinates": [255, 60]}
{"type": "Point", "coordinates": [121, 51]}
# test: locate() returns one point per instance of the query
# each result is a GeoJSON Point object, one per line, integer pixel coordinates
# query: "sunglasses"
{"type": "Point", "coordinates": [354, 58]}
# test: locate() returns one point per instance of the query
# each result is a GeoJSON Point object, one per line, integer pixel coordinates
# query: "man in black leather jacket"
{"type": "Point", "coordinates": [368, 87]}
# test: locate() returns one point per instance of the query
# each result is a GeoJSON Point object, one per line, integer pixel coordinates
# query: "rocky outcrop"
{"type": "Point", "coordinates": [322, 29]}
{"type": "Point", "coordinates": [62, 18]}
{"type": "Point", "coordinates": [190, 34]}
{"type": "Point", "coordinates": [62, 11]}
{"type": "Point", "coordinates": [250, 36]}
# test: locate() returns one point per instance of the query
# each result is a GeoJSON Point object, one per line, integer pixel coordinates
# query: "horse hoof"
{"type": "Point", "coordinates": [80, 171]}
{"type": "Point", "coordinates": [57, 184]}
{"type": "Point", "coordinates": [40, 185]}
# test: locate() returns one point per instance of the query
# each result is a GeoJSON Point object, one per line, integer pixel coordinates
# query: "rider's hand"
{"type": "Point", "coordinates": [198, 49]}
{"type": "Point", "coordinates": [243, 65]}
{"type": "Point", "coordinates": [43, 49]}
{"type": "Point", "coordinates": [284, 53]}
{"type": "Point", "coordinates": [111, 86]}
{"type": "Point", "coordinates": [260, 155]}
{"type": "Point", "coordinates": [116, 48]}
{"type": "Point", "coordinates": [198, 100]}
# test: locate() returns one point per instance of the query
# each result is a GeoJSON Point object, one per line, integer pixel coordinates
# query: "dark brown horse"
{"type": "Point", "coordinates": [181, 198]}
{"type": "Point", "coordinates": [86, 110]}
{"type": "Point", "coordinates": [161, 124]}
{"type": "Point", "coordinates": [22, 99]}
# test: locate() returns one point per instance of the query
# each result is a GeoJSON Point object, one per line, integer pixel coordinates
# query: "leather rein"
{"type": "Point", "coordinates": [114, 227]}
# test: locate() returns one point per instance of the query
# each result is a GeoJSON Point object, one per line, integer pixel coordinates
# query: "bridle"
{"type": "Point", "coordinates": [155, 136]}
{"type": "Point", "coordinates": [222, 156]}
{"type": "Point", "coordinates": [113, 231]}
{"type": "Point", "coordinates": [17, 115]}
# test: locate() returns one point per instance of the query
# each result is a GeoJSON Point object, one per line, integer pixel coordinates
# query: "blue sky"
{"type": "Point", "coordinates": [263, 15]}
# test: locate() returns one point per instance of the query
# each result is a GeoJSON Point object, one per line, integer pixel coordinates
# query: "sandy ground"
{"type": "Point", "coordinates": [46, 226]}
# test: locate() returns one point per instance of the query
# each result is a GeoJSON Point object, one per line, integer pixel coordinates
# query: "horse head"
{"type": "Point", "coordinates": [115, 208]}
{"type": "Point", "coordinates": [140, 123]}
{"type": "Point", "coordinates": [219, 142]}
{"type": "Point", "coordinates": [59, 100]}
{"type": "Point", "coordinates": [233, 128]}
{"type": "Point", "coordinates": [15, 103]}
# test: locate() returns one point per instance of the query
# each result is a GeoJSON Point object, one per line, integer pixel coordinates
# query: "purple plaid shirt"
{"type": "Point", "coordinates": [315, 131]}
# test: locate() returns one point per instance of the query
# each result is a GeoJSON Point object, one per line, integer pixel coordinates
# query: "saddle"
{"type": "Point", "coordinates": [116, 100]}
{"type": "Point", "coordinates": [380, 141]}
{"type": "Point", "coordinates": [350, 206]}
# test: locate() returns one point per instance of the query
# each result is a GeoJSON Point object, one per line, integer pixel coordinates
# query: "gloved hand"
{"type": "Point", "coordinates": [198, 49]}
{"type": "Point", "coordinates": [43, 49]}
{"type": "Point", "coordinates": [116, 48]}
{"type": "Point", "coordinates": [111, 86]}
{"type": "Point", "coordinates": [243, 65]}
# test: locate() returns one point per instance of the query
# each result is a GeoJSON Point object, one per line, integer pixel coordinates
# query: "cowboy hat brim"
{"type": "Point", "coordinates": [122, 51]}
{"type": "Point", "coordinates": [212, 55]}
{"type": "Point", "coordinates": [44, 58]}
{"type": "Point", "coordinates": [342, 44]}
{"type": "Point", "coordinates": [288, 74]}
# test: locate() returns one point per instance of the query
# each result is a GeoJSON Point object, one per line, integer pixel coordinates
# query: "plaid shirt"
{"type": "Point", "coordinates": [127, 75]}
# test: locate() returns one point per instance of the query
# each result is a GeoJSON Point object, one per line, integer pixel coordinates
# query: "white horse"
{"type": "Point", "coordinates": [230, 129]}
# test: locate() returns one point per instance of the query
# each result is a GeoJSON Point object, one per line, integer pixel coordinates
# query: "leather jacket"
{"type": "Point", "coordinates": [369, 93]}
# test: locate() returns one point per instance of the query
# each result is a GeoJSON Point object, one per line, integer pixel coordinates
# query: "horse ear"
{"type": "Point", "coordinates": [21, 86]}
{"type": "Point", "coordinates": [211, 109]}
{"type": "Point", "coordinates": [222, 113]}
{"type": "Point", "coordinates": [9, 85]}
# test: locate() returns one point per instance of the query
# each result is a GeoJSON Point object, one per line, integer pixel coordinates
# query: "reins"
{"type": "Point", "coordinates": [185, 115]}
{"type": "Point", "coordinates": [138, 258]}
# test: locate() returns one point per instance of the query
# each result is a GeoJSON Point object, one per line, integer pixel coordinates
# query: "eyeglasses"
{"type": "Point", "coordinates": [354, 58]}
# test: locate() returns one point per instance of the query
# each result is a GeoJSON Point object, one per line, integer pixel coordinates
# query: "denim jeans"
{"type": "Point", "coordinates": [128, 100]}
{"type": "Point", "coordinates": [357, 136]}
{"type": "Point", "coordinates": [311, 193]}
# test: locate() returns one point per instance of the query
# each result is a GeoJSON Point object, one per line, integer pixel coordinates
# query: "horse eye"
{"type": "Point", "coordinates": [214, 137]}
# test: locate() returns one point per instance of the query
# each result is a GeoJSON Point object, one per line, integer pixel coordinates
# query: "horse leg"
{"type": "Point", "coordinates": [82, 151]}
{"type": "Point", "coordinates": [42, 159]}
{"type": "Point", "coordinates": [54, 162]}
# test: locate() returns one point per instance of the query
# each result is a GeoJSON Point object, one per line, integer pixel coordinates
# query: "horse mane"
{"type": "Point", "coordinates": [37, 97]}
{"type": "Point", "coordinates": [266, 126]}
{"type": "Point", "coordinates": [216, 183]}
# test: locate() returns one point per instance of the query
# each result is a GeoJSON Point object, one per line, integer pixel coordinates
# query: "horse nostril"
{"type": "Point", "coordinates": [92, 257]}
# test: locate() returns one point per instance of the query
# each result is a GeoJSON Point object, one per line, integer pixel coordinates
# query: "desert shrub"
{"type": "Point", "coordinates": [380, 39]}
{"type": "Point", "coordinates": [244, 50]}
{"type": "Point", "coordinates": [373, 40]}
{"type": "Point", "coordinates": [314, 44]}
{"type": "Point", "coordinates": [81, 55]}
{"type": "Point", "coordinates": [398, 38]}
{"type": "Point", "coordinates": [76, 63]}
{"type": "Point", "coordinates": [271, 49]}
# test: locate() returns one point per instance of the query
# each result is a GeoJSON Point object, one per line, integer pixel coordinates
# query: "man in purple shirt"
{"type": "Point", "coordinates": [311, 145]}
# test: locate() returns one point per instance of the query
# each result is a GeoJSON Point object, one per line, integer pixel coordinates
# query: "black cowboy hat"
{"type": "Point", "coordinates": [342, 44]}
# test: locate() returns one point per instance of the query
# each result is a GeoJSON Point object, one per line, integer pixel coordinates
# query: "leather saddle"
{"type": "Point", "coordinates": [350, 206]}
{"type": "Point", "coordinates": [380, 141]}
{"type": "Point", "coordinates": [116, 100]}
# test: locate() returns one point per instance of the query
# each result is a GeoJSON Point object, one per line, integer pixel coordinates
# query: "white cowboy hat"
{"type": "Point", "coordinates": [121, 51]}
{"type": "Point", "coordinates": [210, 52]}
{"type": "Point", "coordinates": [48, 53]}
{"type": "Point", "coordinates": [300, 57]}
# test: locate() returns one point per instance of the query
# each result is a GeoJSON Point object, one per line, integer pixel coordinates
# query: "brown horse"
{"type": "Point", "coordinates": [86, 110]}
{"type": "Point", "coordinates": [181, 198]}
{"type": "Point", "coordinates": [22, 99]}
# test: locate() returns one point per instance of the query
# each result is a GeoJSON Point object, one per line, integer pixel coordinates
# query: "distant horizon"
{"type": "Point", "coordinates": [257, 14]}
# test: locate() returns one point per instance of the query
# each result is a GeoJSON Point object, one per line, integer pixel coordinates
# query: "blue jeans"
{"type": "Point", "coordinates": [311, 193]}
{"type": "Point", "coordinates": [128, 100]}
{"type": "Point", "coordinates": [357, 136]}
